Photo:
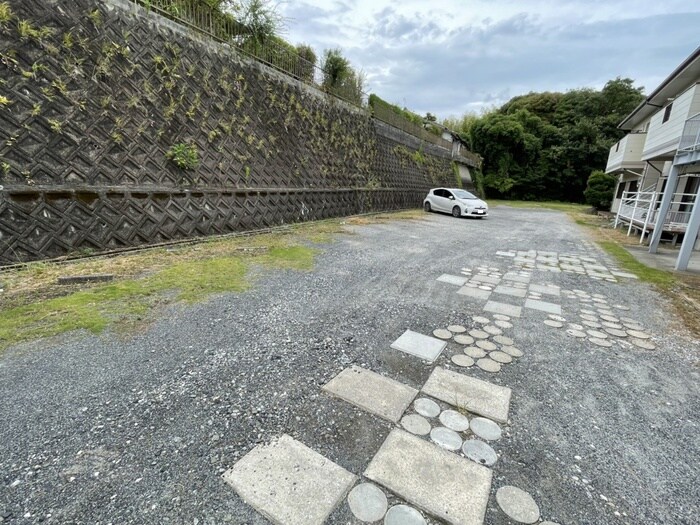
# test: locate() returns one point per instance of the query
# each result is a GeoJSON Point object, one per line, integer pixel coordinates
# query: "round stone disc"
{"type": "Point", "coordinates": [596, 334]}
{"type": "Point", "coordinates": [599, 300]}
{"type": "Point", "coordinates": [493, 330]}
{"type": "Point", "coordinates": [548, 523]}
{"type": "Point", "coordinates": [479, 452]}
{"type": "Point", "coordinates": [621, 307]}
{"type": "Point", "coordinates": [593, 324]}
{"type": "Point", "coordinates": [462, 360]}
{"type": "Point", "coordinates": [559, 318]}
{"type": "Point", "coordinates": [464, 339]}
{"type": "Point", "coordinates": [501, 317]}
{"type": "Point", "coordinates": [588, 312]}
{"type": "Point", "coordinates": [404, 515]}
{"type": "Point", "coordinates": [608, 324]}
{"type": "Point", "coordinates": [426, 407]}
{"type": "Point", "coordinates": [575, 326]}
{"type": "Point", "coordinates": [629, 320]}
{"type": "Point", "coordinates": [633, 326]}
{"type": "Point", "coordinates": [610, 318]}
{"type": "Point", "coordinates": [589, 317]}
{"type": "Point", "coordinates": [454, 420]}
{"type": "Point", "coordinates": [441, 333]}
{"type": "Point", "coordinates": [456, 329]}
{"type": "Point", "coordinates": [488, 365]}
{"type": "Point", "coordinates": [501, 357]}
{"type": "Point", "coordinates": [616, 332]}
{"type": "Point", "coordinates": [512, 351]}
{"type": "Point", "coordinates": [486, 345]}
{"type": "Point", "coordinates": [600, 342]}
{"type": "Point", "coordinates": [503, 340]}
{"type": "Point", "coordinates": [479, 334]}
{"type": "Point", "coordinates": [416, 424]}
{"type": "Point", "coordinates": [474, 352]}
{"type": "Point", "coordinates": [554, 324]}
{"type": "Point", "coordinates": [485, 429]}
{"type": "Point", "coordinates": [367, 502]}
{"type": "Point", "coordinates": [642, 343]}
{"type": "Point", "coordinates": [576, 333]}
{"type": "Point", "coordinates": [518, 504]}
{"type": "Point", "coordinates": [484, 287]}
{"type": "Point", "coordinates": [503, 324]}
{"type": "Point", "coordinates": [639, 334]}
{"type": "Point", "coordinates": [446, 438]}
{"type": "Point", "coordinates": [481, 320]}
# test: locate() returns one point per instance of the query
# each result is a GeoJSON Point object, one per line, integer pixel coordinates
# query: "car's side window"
{"type": "Point", "coordinates": [447, 194]}
{"type": "Point", "coordinates": [438, 193]}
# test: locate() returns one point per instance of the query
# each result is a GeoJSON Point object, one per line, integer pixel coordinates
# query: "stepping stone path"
{"type": "Point", "coordinates": [372, 392]}
{"type": "Point", "coordinates": [441, 333]}
{"type": "Point", "coordinates": [426, 407]}
{"type": "Point", "coordinates": [479, 452]}
{"type": "Point", "coordinates": [400, 466]}
{"type": "Point", "coordinates": [464, 339]}
{"type": "Point", "coordinates": [462, 360]}
{"type": "Point", "coordinates": [367, 502]}
{"type": "Point", "coordinates": [446, 438]}
{"type": "Point", "coordinates": [456, 329]}
{"type": "Point", "coordinates": [489, 365]}
{"type": "Point", "coordinates": [474, 352]}
{"type": "Point", "coordinates": [485, 429]}
{"type": "Point", "coordinates": [416, 424]}
{"type": "Point", "coordinates": [423, 346]}
{"type": "Point", "coordinates": [454, 421]}
{"type": "Point", "coordinates": [518, 505]}
{"type": "Point", "coordinates": [404, 515]}
{"type": "Point", "coordinates": [281, 478]}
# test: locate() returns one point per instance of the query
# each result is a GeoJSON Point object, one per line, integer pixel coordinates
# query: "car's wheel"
{"type": "Point", "coordinates": [426, 206]}
{"type": "Point", "coordinates": [456, 212]}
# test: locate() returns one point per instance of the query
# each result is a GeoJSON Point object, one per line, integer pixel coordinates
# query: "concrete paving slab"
{"type": "Point", "coordinates": [475, 293]}
{"type": "Point", "coordinates": [547, 290]}
{"type": "Point", "coordinates": [509, 290]}
{"type": "Point", "coordinates": [289, 483]}
{"type": "Point", "coordinates": [487, 279]}
{"type": "Point", "coordinates": [441, 483]}
{"type": "Point", "coordinates": [515, 277]}
{"type": "Point", "coordinates": [452, 279]}
{"type": "Point", "coordinates": [372, 392]}
{"type": "Point", "coordinates": [503, 308]}
{"type": "Point", "coordinates": [480, 397]}
{"type": "Point", "coordinates": [543, 306]}
{"type": "Point", "coordinates": [423, 346]}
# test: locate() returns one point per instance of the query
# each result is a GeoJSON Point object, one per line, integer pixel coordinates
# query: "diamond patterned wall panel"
{"type": "Point", "coordinates": [101, 92]}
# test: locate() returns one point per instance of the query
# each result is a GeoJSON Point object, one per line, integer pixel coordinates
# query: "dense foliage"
{"type": "Point", "coordinates": [340, 77]}
{"type": "Point", "coordinates": [600, 190]}
{"type": "Point", "coordinates": [544, 146]}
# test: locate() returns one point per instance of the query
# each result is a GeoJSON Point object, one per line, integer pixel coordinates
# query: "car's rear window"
{"type": "Point", "coordinates": [462, 194]}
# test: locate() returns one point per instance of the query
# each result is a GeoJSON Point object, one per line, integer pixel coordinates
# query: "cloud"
{"type": "Point", "coordinates": [446, 59]}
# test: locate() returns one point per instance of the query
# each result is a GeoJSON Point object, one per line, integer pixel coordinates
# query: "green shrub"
{"type": "Point", "coordinates": [185, 156]}
{"type": "Point", "coordinates": [600, 190]}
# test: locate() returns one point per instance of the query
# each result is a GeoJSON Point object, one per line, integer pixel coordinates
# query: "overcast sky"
{"type": "Point", "coordinates": [454, 56]}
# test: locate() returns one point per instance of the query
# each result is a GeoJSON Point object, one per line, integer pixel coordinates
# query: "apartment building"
{"type": "Point", "coordinates": [658, 163]}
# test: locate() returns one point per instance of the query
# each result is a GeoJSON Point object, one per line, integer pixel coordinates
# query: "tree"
{"type": "Point", "coordinates": [600, 190]}
{"type": "Point", "coordinates": [307, 62]}
{"type": "Point", "coordinates": [340, 78]}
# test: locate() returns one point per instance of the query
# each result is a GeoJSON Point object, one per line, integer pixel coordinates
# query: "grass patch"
{"type": "Point", "coordinates": [627, 261]}
{"type": "Point", "coordinates": [33, 305]}
{"type": "Point", "coordinates": [547, 205]}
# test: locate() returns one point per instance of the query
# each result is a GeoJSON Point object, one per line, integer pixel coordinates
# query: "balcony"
{"type": "Point", "coordinates": [640, 210]}
{"type": "Point", "coordinates": [627, 154]}
{"type": "Point", "coordinates": [689, 145]}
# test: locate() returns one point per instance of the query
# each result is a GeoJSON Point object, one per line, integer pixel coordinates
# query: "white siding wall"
{"type": "Point", "coordinates": [663, 137]}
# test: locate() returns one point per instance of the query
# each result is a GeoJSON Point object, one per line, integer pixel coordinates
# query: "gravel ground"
{"type": "Point", "coordinates": [138, 430]}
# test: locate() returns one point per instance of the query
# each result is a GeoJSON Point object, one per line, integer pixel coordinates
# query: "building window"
{"type": "Point", "coordinates": [617, 147]}
{"type": "Point", "coordinates": [620, 190]}
{"type": "Point", "coordinates": [667, 112]}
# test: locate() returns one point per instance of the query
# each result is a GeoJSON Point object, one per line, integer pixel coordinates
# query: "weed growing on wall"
{"type": "Point", "coordinates": [184, 156]}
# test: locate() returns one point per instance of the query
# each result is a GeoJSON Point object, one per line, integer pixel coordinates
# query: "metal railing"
{"type": "Point", "coordinates": [690, 139]}
{"type": "Point", "coordinates": [640, 210]}
{"type": "Point", "coordinates": [272, 51]}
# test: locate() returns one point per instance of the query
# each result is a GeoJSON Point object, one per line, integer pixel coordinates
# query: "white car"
{"type": "Point", "coordinates": [458, 202]}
